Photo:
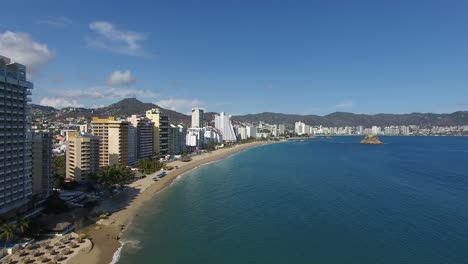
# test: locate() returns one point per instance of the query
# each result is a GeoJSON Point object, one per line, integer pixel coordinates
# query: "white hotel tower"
{"type": "Point", "coordinates": [15, 137]}
{"type": "Point", "coordinates": [198, 118]}
{"type": "Point", "coordinates": [223, 124]}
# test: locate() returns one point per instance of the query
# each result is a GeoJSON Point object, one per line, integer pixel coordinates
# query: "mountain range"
{"type": "Point", "coordinates": [129, 106]}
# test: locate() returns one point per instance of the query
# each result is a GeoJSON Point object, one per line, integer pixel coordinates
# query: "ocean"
{"type": "Point", "coordinates": [318, 201]}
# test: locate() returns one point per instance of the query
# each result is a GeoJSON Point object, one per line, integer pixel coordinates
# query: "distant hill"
{"type": "Point", "coordinates": [123, 109]}
{"type": "Point", "coordinates": [338, 119]}
{"type": "Point", "coordinates": [129, 106]}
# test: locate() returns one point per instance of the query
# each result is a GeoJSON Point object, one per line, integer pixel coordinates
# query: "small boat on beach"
{"type": "Point", "coordinates": [162, 174]}
{"type": "Point", "coordinates": [155, 178]}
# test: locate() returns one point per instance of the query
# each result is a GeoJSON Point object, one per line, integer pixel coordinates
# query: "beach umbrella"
{"type": "Point", "coordinates": [26, 259]}
{"type": "Point", "coordinates": [23, 253]}
{"type": "Point", "coordinates": [58, 257]}
{"type": "Point", "coordinates": [82, 236]}
{"type": "Point", "coordinates": [34, 252]}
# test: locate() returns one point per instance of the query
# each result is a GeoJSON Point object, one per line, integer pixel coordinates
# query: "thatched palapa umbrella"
{"type": "Point", "coordinates": [72, 245]}
{"type": "Point", "coordinates": [58, 257]}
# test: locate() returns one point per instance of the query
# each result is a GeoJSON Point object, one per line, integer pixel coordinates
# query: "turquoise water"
{"type": "Point", "coordinates": [319, 201]}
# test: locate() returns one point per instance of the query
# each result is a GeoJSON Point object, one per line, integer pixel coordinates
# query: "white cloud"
{"type": "Point", "coordinates": [121, 78]}
{"type": "Point", "coordinates": [108, 37]}
{"type": "Point", "coordinates": [60, 21]}
{"type": "Point", "coordinates": [58, 102]}
{"type": "Point", "coordinates": [22, 49]}
{"type": "Point", "coordinates": [180, 105]}
{"type": "Point", "coordinates": [344, 104]}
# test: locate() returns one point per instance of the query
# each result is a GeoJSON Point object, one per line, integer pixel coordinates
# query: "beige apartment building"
{"type": "Point", "coordinates": [113, 149]}
{"type": "Point", "coordinates": [82, 158]}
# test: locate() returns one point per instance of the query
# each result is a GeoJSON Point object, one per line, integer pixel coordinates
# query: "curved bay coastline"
{"type": "Point", "coordinates": [105, 234]}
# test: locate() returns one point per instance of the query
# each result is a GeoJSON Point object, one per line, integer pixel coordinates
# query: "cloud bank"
{"type": "Point", "coordinates": [21, 48]}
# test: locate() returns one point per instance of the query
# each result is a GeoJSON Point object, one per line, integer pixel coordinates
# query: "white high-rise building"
{"type": "Point", "coordinates": [299, 128]}
{"type": "Point", "coordinates": [198, 117]}
{"type": "Point", "coordinates": [274, 130]}
{"type": "Point", "coordinates": [224, 125]}
{"type": "Point", "coordinates": [177, 139]}
{"type": "Point", "coordinates": [212, 135]}
{"type": "Point", "coordinates": [195, 137]}
{"type": "Point", "coordinates": [360, 130]}
{"type": "Point", "coordinates": [281, 129]}
{"type": "Point", "coordinates": [242, 131]}
{"type": "Point", "coordinates": [376, 130]}
{"type": "Point", "coordinates": [404, 130]}
{"type": "Point", "coordinates": [251, 131]}
{"type": "Point", "coordinates": [15, 138]}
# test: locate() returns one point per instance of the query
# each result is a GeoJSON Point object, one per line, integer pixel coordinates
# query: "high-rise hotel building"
{"type": "Point", "coordinates": [113, 149]}
{"type": "Point", "coordinates": [82, 158]}
{"type": "Point", "coordinates": [15, 136]}
{"type": "Point", "coordinates": [198, 117]}
{"type": "Point", "coordinates": [224, 125]}
{"type": "Point", "coordinates": [42, 173]}
{"type": "Point", "coordinates": [161, 131]}
{"type": "Point", "coordinates": [140, 140]}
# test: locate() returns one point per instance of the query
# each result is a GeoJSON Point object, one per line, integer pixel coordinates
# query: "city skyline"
{"type": "Point", "coordinates": [307, 58]}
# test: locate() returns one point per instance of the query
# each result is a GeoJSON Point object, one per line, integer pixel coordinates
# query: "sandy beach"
{"type": "Point", "coordinates": [105, 233]}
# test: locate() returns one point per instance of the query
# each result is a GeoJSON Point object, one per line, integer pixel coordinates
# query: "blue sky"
{"type": "Point", "coordinates": [304, 57]}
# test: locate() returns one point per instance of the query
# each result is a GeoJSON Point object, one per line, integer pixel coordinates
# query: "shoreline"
{"type": "Point", "coordinates": [105, 234]}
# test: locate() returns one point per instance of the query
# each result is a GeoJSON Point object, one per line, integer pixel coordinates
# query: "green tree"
{"type": "Point", "coordinates": [210, 146]}
{"type": "Point", "coordinates": [22, 225]}
{"type": "Point", "coordinates": [59, 168]}
{"type": "Point", "coordinates": [149, 166]}
{"type": "Point", "coordinates": [114, 176]}
{"type": "Point", "coordinates": [7, 232]}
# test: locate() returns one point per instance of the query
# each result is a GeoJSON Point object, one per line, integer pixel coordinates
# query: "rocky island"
{"type": "Point", "coordinates": [371, 139]}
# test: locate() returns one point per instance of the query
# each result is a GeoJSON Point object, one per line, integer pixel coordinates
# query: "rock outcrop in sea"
{"type": "Point", "coordinates": [371, 139]}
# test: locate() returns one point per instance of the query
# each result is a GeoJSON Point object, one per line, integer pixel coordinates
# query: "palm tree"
{"type": "Point", "coordinates": [7, 231]}
{"type": "Point", "coordinates": [22, 225]}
